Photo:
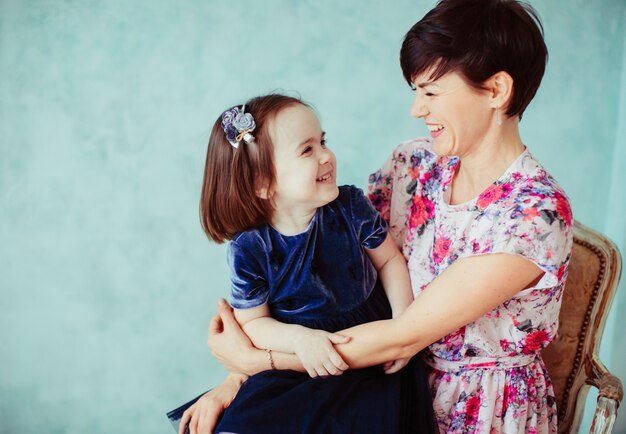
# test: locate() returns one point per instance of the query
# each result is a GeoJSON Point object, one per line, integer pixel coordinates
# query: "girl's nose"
{"type": "Point", "coordinates": [325, 155]}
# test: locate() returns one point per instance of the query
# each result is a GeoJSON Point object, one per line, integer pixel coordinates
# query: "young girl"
{"type": "Point", "coordinates": [307, 259]}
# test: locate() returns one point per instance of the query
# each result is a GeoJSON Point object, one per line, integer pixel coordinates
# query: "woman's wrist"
{"type": "Point", "coordinates": [256, 361]}
{"type": "Point", "coordinates": [237, 378]}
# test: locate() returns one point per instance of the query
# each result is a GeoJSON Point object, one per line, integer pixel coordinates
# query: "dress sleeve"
{"type": "Point", "coordinates": [249, 286]}
{"type": "Point", "coordinates": [393, 188]}
{"type": "Point", "coordinates": [369, 224]}
{"type": "Point", "coordinates": [539, 229]}
{"type": "Point", "coordinates": [380, 187]}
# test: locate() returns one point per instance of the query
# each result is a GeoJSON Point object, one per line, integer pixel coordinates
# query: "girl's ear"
{"type": "Point", "coordinates": [500, 86]}
{"type": "Point", "coordinates": [263, 193]}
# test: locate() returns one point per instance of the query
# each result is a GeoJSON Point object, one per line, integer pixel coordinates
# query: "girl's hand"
{"type": "Point", "coordinates": [203, 414]}
{"type": "Point", "coordinates": [395, 365]}
{"type": "Point", "coordinates": [228, 342]}
{"type": "Point", "coordinates": [315, 350]}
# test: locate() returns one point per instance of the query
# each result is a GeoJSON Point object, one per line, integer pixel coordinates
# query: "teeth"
{"type": "Point", "coordinates": [325, 177]}
{"type": "Point", "coordinates": [434, 127]}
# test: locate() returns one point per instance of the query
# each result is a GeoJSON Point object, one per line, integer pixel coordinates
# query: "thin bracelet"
{"type": "Point", "coordinates": [271, 359]}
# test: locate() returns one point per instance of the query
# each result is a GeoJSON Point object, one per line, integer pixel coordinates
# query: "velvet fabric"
{"type": "Point", "coordinates": [319, 273]}
{"type": "Point", "coordinates": [322, 279]}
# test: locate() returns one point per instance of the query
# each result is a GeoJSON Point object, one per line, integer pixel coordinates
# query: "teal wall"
{"type": "Point", "coordinates": [107, 283]}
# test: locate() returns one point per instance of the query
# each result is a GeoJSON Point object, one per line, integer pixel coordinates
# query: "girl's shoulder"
{"type": "Point", "coordinates": [251, 240]}
{"type": "Point", "coordinates": [350, 201]}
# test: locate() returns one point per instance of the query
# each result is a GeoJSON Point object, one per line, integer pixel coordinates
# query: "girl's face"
{"type": "Point", "coordinates": [457, 115]}
{"type": "Point", "coordinates": [305, 168]}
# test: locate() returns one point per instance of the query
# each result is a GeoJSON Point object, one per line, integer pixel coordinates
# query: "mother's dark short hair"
{"type": "Point", "coordinates": [478, 38]}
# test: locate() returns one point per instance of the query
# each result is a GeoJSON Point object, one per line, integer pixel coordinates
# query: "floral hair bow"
{"type": "Point", "coordinates": [238, 125]}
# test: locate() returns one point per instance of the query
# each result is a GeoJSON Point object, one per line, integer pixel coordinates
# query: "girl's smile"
{"type": "Point", "coordinates": [305, 168]}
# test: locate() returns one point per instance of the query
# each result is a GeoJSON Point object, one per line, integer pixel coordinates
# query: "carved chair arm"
{"type": "Point", "coordinates": [610, 395]}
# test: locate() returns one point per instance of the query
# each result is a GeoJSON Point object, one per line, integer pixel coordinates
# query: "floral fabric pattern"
{"type": "Point", "coordinates": [488, 376]}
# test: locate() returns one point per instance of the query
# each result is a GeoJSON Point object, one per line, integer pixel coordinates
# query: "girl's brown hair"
{"type": "Point", "coordinates": [234, 177]}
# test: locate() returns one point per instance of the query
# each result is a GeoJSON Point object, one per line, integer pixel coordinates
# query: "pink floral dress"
{"type": "Point", "coordinates": [488, 376]}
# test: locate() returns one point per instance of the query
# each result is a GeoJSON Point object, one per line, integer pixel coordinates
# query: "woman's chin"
{"type": "Point", "coordinates": [442, 148]}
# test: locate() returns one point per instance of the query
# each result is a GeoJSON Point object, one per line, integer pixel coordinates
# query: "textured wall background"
{"type": "Point", "coordinates": [106, 280]}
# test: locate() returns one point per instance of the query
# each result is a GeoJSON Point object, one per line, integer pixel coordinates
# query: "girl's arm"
{"type": "Point", "coordinates": [314, 348]}
{"type": "Point", "coordinates": [464, 292]}
{"type": "Point", "coordinates": [394, 275]}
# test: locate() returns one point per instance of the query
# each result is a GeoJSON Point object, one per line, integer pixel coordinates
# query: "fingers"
{"type": "Point", "coordinates": [226, 312]}
{"type": "Point", "coordinates": [321, 371]}
{"type": "Point", "coordinates": [193, 424]}
{"type": "Point", "coordinates": [184, 419]}
{"type": "Point", "coordinates": [337, 361]}
{"type": "Point", "coordinates": [396, 366]}
{"type": "Point", "coordinates": [332, 369]}
{"type": "Point", "coordinates": [216, 326]}
{"type": "Point", "coordinates": [338, 339]}
{"type": "Point", "coordinates": [208, 419]}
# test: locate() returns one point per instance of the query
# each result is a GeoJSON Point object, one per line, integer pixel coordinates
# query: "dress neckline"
{"type": "Point", "coordinates": [470, 204]}
{"type": "Point", "coordinates": [299, 234]}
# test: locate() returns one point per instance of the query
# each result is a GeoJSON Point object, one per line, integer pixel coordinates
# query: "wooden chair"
{"type": "Point", "coordinates": [572, 359]}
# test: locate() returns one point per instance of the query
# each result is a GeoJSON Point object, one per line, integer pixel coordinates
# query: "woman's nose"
{"type": "Point", "coordinates": [418, 108]}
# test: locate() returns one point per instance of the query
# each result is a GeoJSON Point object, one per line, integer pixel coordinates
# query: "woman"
{"type": "Point", "coordinates": [486, 231]}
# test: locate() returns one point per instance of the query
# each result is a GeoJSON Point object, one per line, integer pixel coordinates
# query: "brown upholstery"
{"type": "Point", "coordinates": [572, 359]}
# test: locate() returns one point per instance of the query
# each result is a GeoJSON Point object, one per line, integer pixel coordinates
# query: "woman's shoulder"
{"type": "Point", "coordinates": [529, 191]}
{"type": "Point", "coordinates": [532, 179]}
{"type": "Point", "coordinates": [413, 150]}
{"type": "Point", "coordinates": [411, 160]}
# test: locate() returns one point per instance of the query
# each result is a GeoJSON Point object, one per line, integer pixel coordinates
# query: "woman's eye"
{"type": "Point", "coordinates": [307, 150]}
{"type": "Point", "coordinates": [429, 94]}
{"type": "Point", "coordinates": [323, 143]}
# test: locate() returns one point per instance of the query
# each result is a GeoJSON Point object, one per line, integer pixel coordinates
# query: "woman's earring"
{"type": "Point", "coordinates": [498, 118]}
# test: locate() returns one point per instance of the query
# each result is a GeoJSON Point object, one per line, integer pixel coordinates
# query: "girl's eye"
{"type": "Point", "coordinates": [429, 94]}
{"type": "Point", "coordinates": [307, 150]}
{"type": "Point", "coordinates": [323, 143]}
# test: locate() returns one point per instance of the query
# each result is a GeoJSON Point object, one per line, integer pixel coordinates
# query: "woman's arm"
{"type": "Point", "coordinates": [465, 291]}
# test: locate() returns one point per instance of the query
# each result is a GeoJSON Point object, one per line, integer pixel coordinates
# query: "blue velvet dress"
{"type": "Point", "coordinates": [322, 279]}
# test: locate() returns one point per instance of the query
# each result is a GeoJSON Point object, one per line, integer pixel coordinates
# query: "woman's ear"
{"type": "Point", "coordinates": [500, 86]}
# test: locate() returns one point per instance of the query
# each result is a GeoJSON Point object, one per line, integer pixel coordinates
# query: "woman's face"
{"type": "Point", "coordinates": [457, 115]}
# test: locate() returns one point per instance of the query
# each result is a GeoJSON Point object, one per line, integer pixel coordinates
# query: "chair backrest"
{"type": "Point", "coordinates": [572, 358]}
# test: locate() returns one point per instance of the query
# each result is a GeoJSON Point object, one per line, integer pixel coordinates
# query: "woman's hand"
{"type": "Point", "coordinates": [202, 416]}
{"type": "Point", "coordinates": [229, 344]}
{"type": "Point", "coordinates": [395, 365]}
{"type": "Point", "coordinates": [315, 350]}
